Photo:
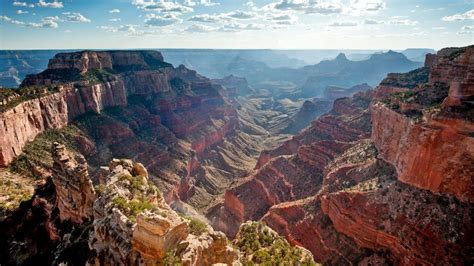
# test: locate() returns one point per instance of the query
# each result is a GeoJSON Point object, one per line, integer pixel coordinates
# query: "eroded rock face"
{"type": "Point", "coordinates": [455, 67]}
{"type": "Point", "coordinates": [26, 120]}
{"type": "Point", "coordinates": [112, 60]}
{"type": "Point", "coordinates": [134, 225]}
{"type": "Point", "coordinates": [75, 193]}
{"type": "Point", "coordinates": [426, 132]}
{"type": "Point", "coordinates": [436, 154]}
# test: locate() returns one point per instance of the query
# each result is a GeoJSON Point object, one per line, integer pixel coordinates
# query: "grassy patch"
{"type": "Point", "coordinates": [197, 227]}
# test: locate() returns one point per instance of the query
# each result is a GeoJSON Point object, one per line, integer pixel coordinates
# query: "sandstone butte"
{"type": "Point", "coordinates": [385, 177]}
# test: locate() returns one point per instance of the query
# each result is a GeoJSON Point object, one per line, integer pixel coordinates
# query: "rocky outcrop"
{"type": "Point", "coordinates": [113, 60]}
{"type": "Point", "coordinates": [307, 113]}
{"type": "Point", "coordinates": [426, 132]}
{"type": "Point", "coordinates": [235, 85]}
{"type": "Point", "coordinates": [333, 92]}
{"type": "Point", "coordinates": [455, 67]}
{"type": "Point", "coordinates": [262, 245]}
{"type": "Point", "coordinates": [75, 194]}
{"type": "Point", "coordinates": [436, 154]}
{"type": "Point", "coordinates": [348, 120]}
{"type": "Point", "coordinates": [134, 225]}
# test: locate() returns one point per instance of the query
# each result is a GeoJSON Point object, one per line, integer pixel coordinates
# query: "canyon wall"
{"type": "Point", "coordinates": [107, 79]}
{"type": "Point", "coordinates": [436, 153]}
{"type": "Point", "coordinates": [390, 179]}
{"type": "Point", "coordinates": [25, 121]}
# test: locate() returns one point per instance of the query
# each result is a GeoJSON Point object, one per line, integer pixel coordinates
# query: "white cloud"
{"type": "Point", "coordinates": [160, 21]}
{"type": "Point", "coordinates": [200, 28]}
{"type": "Point", "coordinates": [11, 21]}
{"type": "Point", "coordinates": [162, 6]}
{"type": "Point", "coordinates": [114, 11]}
{"type": "Point", "coordinates": [54, 4]}
{"type": "Point", "coordinates": [367, 5]}
{"type": "Point", "coordinates": [20, 12]}
{"type": "Point", "coordinates": [46, 22]}
{"type": "Point", "coordinates": [238, 14]}
{"type": "Point", "coordinates": [343, 24]}
{"type": "Point", "coordinates": [282, 19]}
{"type": "Point", "coordinates": [16, 3]}
{"type": "Point", "coordinates": [468, 15]}
{"type": "Point", "coordinates": [307, 6]}
{"type": "Point", "coordinates": [22, 4]}
{"type": "Point", "coordinates": [115, 19]}
{"type": "Point", "coordinates": [200, 2]}
{"type": "Point", "coordinates": [372, 22]}
{"type": "Point", "coordinates": [468, 29]}
{"type": "Point", "coordinates": [236, 27]}
{"type": "Point", "coordinates": [75, 17]}
{"type": "Point", "coordinates": [207, 18]}
{"type": "Point", "coordinates": [402, 22]}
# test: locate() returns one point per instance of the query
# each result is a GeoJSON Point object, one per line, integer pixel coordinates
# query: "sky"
{"type": "Point", "coordinates": [236, 24]}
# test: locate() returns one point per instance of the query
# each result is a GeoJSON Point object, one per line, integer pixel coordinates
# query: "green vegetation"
{"type": "Point", "coordinates": [100, 189]}
{"type": "Point", "coordinates": [197, 227]}
{"type": "Point", "coordinates": [12, 194]}
{"type": "Point", "coordinates": [37, 154]}
{"type": "Point", "coordinates": [13, 97]}
{"type": "Point", "coordinates": [131, 208]}
{"type": "Point", "coordinates": [135, 182]}
{"type": "Point", "coordinates": [407, 80]}
{"type": "Point", "coordinates": [171, 259]}
{"type": "Point", "coordinates": [262, 246]}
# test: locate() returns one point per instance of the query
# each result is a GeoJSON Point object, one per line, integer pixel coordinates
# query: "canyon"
{"type": "Point", "coordinates": [211, 175]}
{"type": "Point", "coordinates": [384, 177]}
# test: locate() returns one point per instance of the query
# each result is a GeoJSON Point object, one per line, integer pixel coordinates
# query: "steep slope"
{"type": "Point", "coordinates": [385, 182]}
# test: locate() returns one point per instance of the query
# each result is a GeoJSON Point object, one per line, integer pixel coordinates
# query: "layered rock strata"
{"type": "Point", "coordinates": [390, 180]}
{"type": "Point", "coordinates": [75, 193]}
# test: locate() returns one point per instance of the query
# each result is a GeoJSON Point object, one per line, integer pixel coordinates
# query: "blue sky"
{"type": "Point", "coordinates": [277, 24]}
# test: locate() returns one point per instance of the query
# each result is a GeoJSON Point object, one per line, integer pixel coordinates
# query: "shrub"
{"type": "Point", "coordinates": [197, 227]}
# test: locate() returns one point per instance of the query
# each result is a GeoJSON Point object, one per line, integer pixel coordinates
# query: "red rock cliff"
{"type": "Point", "coordinates": [427, 137]}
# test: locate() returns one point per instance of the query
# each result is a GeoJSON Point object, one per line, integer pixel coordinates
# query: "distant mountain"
{"type": "Point", "coordinates": [311, 81]}
{"type": "Point", "coordinates": [417, 54]}
{"type": "Point", "coordinates": [219, 63]}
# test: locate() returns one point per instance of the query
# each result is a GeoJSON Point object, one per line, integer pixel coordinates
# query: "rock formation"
{"type": "Point", "coordinates": [89, 81]}
{"type": "Point", "coordinates": [75, 193]}
{"type": "Point", "coordinates": [426, 132]}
